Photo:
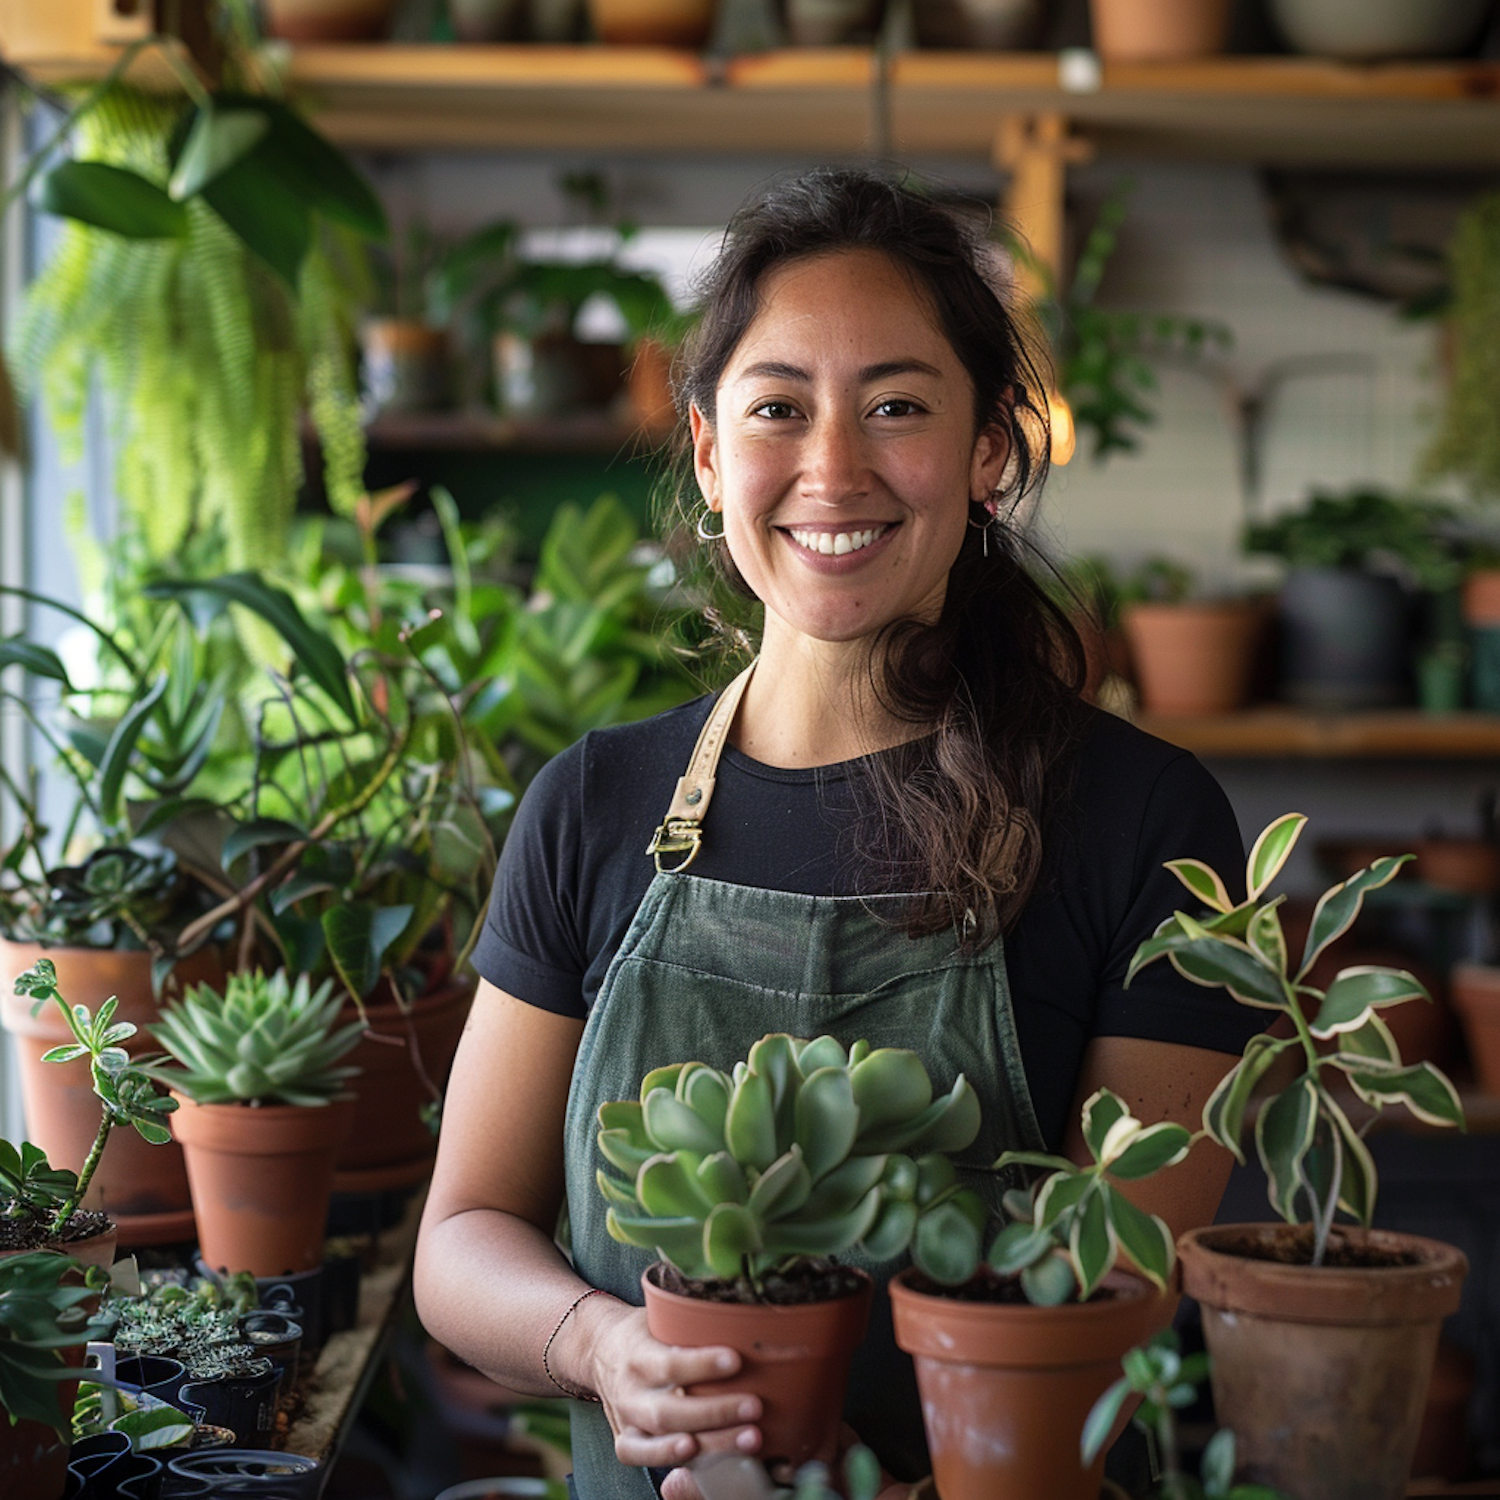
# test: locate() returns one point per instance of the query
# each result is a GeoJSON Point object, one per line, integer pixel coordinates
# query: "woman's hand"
{"type": "Point", "coordinates": [641, 1383]}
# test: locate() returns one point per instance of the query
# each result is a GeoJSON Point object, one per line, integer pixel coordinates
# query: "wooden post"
{"type": "Point", "coordinates": [1037, 151]}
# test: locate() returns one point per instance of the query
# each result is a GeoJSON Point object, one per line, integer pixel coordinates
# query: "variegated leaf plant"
{"type": "Point", "coordinates": [1312, 1152]}
{"type": "Point", "coordinates": [1067, 1233]}
{"type": "Point", "coordinates": [804, 1149]}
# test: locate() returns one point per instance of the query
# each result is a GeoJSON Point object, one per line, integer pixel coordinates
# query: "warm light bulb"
{"type": "Point", "coordinates": [1064, 437]}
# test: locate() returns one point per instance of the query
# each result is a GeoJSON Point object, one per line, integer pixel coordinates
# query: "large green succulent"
{"type": "Point", "coordinates": [804, 1150]}
{"type": "Point", "coordinates": [264, 1038]}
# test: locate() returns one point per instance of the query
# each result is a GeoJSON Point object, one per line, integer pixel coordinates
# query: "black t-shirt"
{"type": "Point", "coordinates": [575, 868]}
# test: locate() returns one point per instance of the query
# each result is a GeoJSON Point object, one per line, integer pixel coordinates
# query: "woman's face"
{"type": "Point", "coordinates": [843, 454]}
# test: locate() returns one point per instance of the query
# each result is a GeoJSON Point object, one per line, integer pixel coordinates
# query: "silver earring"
{"type": "Point", "coordinates": [983, 527]}
{"type": "Point", "coordinates": [704, 534]}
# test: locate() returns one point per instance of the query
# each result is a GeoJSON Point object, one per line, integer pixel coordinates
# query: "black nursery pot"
{"type": "Point", "coordinates": [248, 1472]}
{"type": "Point", "coordinates": [278, 1338]}
{"type": "Point", "coordinates": [246, 1404]}
{"type": "Point", "coordinates": [1345, 639]}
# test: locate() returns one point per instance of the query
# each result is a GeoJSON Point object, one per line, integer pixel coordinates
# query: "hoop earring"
{"type": "Point", "coordinates": [704, 534]}
{"type": "Point", "coordinates": [991, 508]}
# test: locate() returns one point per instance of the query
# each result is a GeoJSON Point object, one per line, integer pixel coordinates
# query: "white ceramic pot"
{"type": "Point", "coordinates": [1368, 30]}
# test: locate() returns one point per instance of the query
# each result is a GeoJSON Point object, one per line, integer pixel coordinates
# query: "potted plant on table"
{"type": "Point", "coordinates": [262, 1110]}
{"type": "Point", "coordinates": [1013, 1351]}
{"type": "Point", "coordinates": [40, 1204]}
{"type": "Point", "coordinates": [748, 1183]}
{"type": "Point", "coordinates": [47, 1314]}
{"type": "Point", "coordinates": [1321, 1339]}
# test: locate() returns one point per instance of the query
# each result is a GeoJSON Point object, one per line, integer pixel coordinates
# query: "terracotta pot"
{"type": "Point", "coordinates": [1193, 658]}
{"type": "Point", "coordinates": [796, 1359]}
{"type": "Point", "coordinates": [653, 23]}
{"type": "Point", "coordinates": [143, 1188]}
{"type": "Point", "coordinates": [390, 1145]}
{"type": "Point", "coordinates": [1469, 866]}
{"type": "Point", "coordinates": [1006, 1388]}
{"type": "Point", "coordinates": [1158, 30]}
{"type": "Point", "coordinates": [997, 24]}
{"type": "Point", "coordinates": [1321, 1372]}
{"type": "Point", "coordinates": [485, 20]}
{"type": "Point", "coordinates": [405, 365]}
{"type": "Point", "coordinates": [649, 388]}
{"type": "Point", "coordinates": [1476, 998]}
{"type": "Point", "coordinates": [1481, 598]}
{"type": "Point", "coordinates": [33, 1461]}
{"type": "Point", "coordinates": [261, 1179]}
{"type": "Point", "coordinates": [327, 20]}
{"type": "Point", "coordinates": [831, 23]}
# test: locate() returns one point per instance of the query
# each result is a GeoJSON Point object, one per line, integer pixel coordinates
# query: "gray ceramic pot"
{"type": "Point", "coordinates": [1345, 639]}
{"type": "Point", "coordinates": [997, 24]}
{"type": "Point", "coordinates": [1367, 30]}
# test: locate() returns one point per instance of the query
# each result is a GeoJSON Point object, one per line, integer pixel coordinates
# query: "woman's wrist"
{"type": "Point", "coordinates": [569, 1357]}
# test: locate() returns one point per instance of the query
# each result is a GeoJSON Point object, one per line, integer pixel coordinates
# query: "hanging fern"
{"type": "Point", "coordinates": [205, 357]}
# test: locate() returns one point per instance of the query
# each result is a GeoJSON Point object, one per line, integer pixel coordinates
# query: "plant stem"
{"type": "Point", "coordinates": [70, 1204]}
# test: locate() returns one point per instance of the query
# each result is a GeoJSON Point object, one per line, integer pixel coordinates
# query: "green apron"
{"type": "Point", "coordinates": [705, 970]}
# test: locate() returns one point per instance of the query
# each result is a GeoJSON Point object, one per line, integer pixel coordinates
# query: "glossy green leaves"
{"type": "Point", "coordinates": [1315, 1158]}
{"type": "Point", "coordinates": [800, 1150]}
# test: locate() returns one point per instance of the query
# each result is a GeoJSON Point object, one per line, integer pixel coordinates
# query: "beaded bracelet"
{"type": "Point", "coordinates": [580, 1394]}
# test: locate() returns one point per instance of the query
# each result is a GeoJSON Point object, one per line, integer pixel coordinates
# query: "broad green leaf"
{"type": "Point", "coordinates": [673, 1126]}
{"type": "Point", "coordinates": [706, 1092]}
{"type": "Point", "coordinates": [1373, 1040]}
{"type": "Point", "coordinates": [1101, 1421]}
{"type": "Point", "coordinates": [750, 1124]}
{"type": "Point", "coordinates": [616, 1193]}
{"type": "Point", "coordinates": [1101, 1110]}
{"type": "Point", "coordinates": [668, 1187]}
{"type": "Point", "coordinates": [260, 206]}
{"type": "Point", "coordinates": [1358, 1178]}
{"type": "Point", "coordinates": [936, 1176]}
{"type": "Point", "coordinates": [1217, 1466]}
{"type": "Point", "coordinates": [663, 1078]}
{"type": "Point", "coordinates": [1422, 1088]}
{"type": "Point", "coordinates": [846, 1186]}
{"type": "Point", "coordinates": [1202, 881]}
{"type": "Point", "coordinates": [782, 1188]}
{"type": "Point", "coordinates": [832, 1236]}
{"type": "Point", "coordinates": [1155, 1147]}
{"type": "Point", "coordinates": [1356, 992]}
{"type": "Point", "coordinates": [154, 1427]}
{"type": "Point", "coordinates": [677, 1240]}
{"type": "Point", "coordinates": [17, 651]}
{"type": "Point", "coordinates": [892, 1231]}
{"type": "Point", "coordinates": [723, 1179]}
{"type": "Point", "coordinates": [1283, 1134]}
{"type": "Point", "coordinates": [359, 938]}
{"type": "Point", "coordinates": [112, 198]}
{"type": "Point", "coordinates": [1269, 852]}
{"type": "Point", "coordinates": [730, 1233]}
{"type": "Point", "coordinates": [1144, 1237]}
{"type": "Point", "coordinates": [1033, 1159]}
{"type": "Point", "coordinates": [946, 1244]}
{"type": "Point", "coordinates": [121, 747]}
{"type": "Point", "coordinates": [947, 1124]}
{"type": "Point", "coordinates": [257, 833]}
{"type": "Point", "coordinates": [1337, 908]}
{"type": "Point", "coordinates": [1092, 1245]}
{"type": "Point", "coordinates": [69, 1053]}
{"type": "Point", "coordinates": [619, 1149]}
{"type": "Point", "coordinates": [821, 1052]}
{"type": "Point", "coordinates": [1018, 1245]}
{"type": "Point", "coordinates": [1050, 1282]}
{"type": "Point", "coordinates": [1266, 939]}
{"type": "Point", "coordinates": [827, 1119]}
{"type": "Point", "coordinates": [1227, 962]}
{"type": "Point", "coordinates": [890, 1086]}
{"type": "Point", "coordinates": [1224, 1113]}
{"type": "Point", "coordinates": [626, 1115]}
{"type": "Point", "coordinates": [1061, 1193]}
{"type": "Point", "coordinates": [219, 136]}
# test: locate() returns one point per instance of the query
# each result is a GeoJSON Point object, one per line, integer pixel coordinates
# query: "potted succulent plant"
{"type": "Point", "coordinates": [262, 1110]}
{"type": "Point", "coordinates": [746, 1184]}
{"type": "Point", "coordinates": [1013, 1351]}
{"type": "Point", "coordinates": [40, 1204]}
{"type": "Point", "coordinates": [47, 1313]}
{"type": "Point", "coordinates": [1322, 1339]}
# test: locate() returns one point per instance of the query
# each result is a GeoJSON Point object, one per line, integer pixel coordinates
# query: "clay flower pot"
{"type": "Point", "coordinates": [653, 23]}
{"type": "Point", "coordinates": [1476, 997]}
{"type": "Point", "coordinates": [143, 1188]}
{"type": "Point", "coordinates": [796, 1359]}
{"type": "Point", "coordinates": [1158, 30]}
{"type": "Point", "coordinates": [327, 20]}
{"type": "Point", "coordinates": [1321, 1371]}
{"type": "Point", "coordinates": [1006, 1387]}
{"type": "Point", "coordinates": [261, 1177]}
{"type": "Point", "coordinates": [1193, 658]}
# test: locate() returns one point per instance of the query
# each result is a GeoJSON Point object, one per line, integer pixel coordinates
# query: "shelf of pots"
{"type": "Point", "coordinates": [1321, 1338]}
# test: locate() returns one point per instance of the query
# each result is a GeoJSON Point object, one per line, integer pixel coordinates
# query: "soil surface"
{"type": "Point", "coordinates": [1346, 1249]}
{"type": "Point", "coordinates": [31, 1234]}
{"type": "Point", "coordinates": [807, 1280]}
{"type": "Point", "coordinates": [986, 1286]}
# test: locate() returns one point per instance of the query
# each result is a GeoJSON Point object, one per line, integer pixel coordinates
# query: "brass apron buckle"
{"type": "Point", "coordinates": [676, 836]}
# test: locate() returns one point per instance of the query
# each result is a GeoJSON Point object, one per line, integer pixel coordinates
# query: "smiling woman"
{"type": "Point", "coordinates": [920, 836]}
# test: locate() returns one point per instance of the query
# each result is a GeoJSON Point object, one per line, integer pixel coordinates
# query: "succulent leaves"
{"type": "Point", "coordinates": [1314, 1156]}
{"type": "Point", "coordinates": [804, 1149]}
{"type": "Point", "coordinates": [262, 1038]}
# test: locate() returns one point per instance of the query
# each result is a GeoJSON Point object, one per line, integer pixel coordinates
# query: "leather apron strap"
{"type": "Point", "coordinates": [681, 832]}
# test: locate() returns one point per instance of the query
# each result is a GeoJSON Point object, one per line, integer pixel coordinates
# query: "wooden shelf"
{"type": "Point", "coordinates": [817, 102]}
{"type": "Point", "coordinates": [1266, 733]}
{"type": "Point", "coordinates": [480, 432]}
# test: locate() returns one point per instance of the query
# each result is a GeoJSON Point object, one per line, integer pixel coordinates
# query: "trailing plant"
{"type": "Point", "coordinates": [123, 1089]}
{"type": "Point", "coordinates": [47, 1306]}
{"type": "Point", "coordinates": [1365, 527]}
{"type": "Point", "coordinates": [1066, 1233]}
{"type": "Point", "coordinates": [803, 1150]}
{"type": "Point", "coordinates": [208, 275]}
{"type": "Point", "coordinates": [1467, 443]}
{"type": "Point", "coordinates": [263, 1039]}
{"type": "Point", "coordinates": [1166, 1381]}
{"type": "Point", "coordinates": [1314, 1155]}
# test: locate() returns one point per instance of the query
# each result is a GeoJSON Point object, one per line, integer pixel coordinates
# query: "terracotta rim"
{"type": "Point", "coordinates": [1322, 1294]}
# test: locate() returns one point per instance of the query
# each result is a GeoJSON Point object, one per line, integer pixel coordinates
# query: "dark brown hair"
{"type": "Point", "coordinates": [958, 813]}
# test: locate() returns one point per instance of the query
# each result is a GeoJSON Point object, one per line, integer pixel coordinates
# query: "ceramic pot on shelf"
{"type": "Point", "coordinates": [1476, 998]}
{"type": "Point", "coordinates": [995, 25]}
{"type": "Point", "coordinates": [1379, 30]}
{"type": "Point", "coordinates": [404, 365]}
{"type": "Point", "coordinates": [1345, 639]}
{"type": "Point", "coordinates": [327, 20]}
{"type": "Point", "coordinates": [1322, 1371]}
{"type": "Point", "coordinates": [653, 23]}
{"type": "Point", "coordinates": [1481, 614]}
{"type": "Point", "coordinates": [1193, 658]}
{"type": "Point", "coordinates": [796, 1359]}
{"type": "Point", "coordinates": [1006, 1386]}
{"type": "Point", "coordinates": [1158, 30]}
{"type": "Point", "coordinates": [485, 20]}
{"type": "Point", "coordinates": [831, 23]}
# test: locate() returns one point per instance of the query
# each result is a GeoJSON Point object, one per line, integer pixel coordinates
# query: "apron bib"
{"type": "Point", "coordinates": [705, 970]}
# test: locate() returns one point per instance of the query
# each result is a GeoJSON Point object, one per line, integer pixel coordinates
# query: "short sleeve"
{"type": "Point", "coordinates": [529, 945]}
{"type": "Point", "coordinates": [1186, 814]}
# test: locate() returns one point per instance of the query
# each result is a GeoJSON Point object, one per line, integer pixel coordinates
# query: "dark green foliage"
{"type": "Point", "coordinates": [45, 1308]}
